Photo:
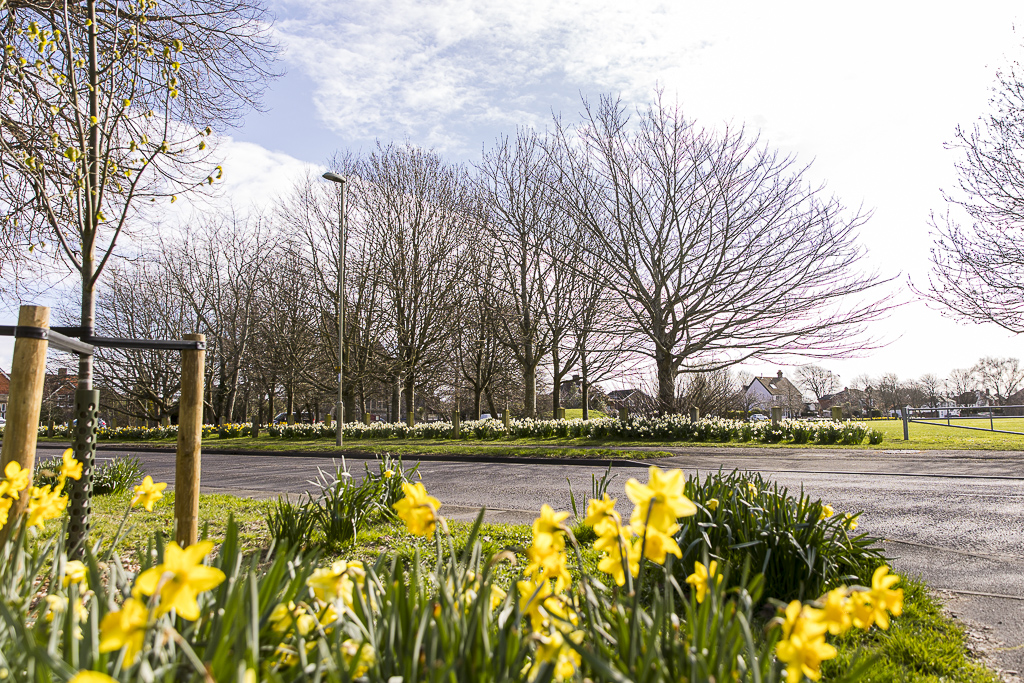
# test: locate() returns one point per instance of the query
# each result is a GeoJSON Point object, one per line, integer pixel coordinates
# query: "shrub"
{"type": "Point", "coordinates": [115, 475]}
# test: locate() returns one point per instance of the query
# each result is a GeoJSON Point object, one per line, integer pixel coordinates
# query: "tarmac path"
{"type": "Point", "coordinates": [955, 518]}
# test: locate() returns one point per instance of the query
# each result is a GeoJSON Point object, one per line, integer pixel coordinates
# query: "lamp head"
{"type": "Point", "coordinates": [334, 177]}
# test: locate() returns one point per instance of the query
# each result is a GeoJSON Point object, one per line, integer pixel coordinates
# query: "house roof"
{"type": "Point", "coordinates": [777, 386]}
{"type": "Point", "coordinates": [620, 394]}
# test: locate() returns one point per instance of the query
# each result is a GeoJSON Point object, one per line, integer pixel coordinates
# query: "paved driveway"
{"type": "Point", "coordinates": [955, 518]}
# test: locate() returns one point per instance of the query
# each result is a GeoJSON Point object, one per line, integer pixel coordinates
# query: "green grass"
{"type": "Point", "coordinates": [940, 437]}
{"type": "Point", "coordinates": [922, 646]}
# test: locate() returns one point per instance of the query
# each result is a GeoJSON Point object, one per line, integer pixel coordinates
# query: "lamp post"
{"type": "Point", "coordinates": [334, 178]}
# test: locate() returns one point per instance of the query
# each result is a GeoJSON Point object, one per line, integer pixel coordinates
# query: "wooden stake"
{"type": "Point", "coordinates": [28, 374]}
{"type": "Point", "coordinates": [190, 441]}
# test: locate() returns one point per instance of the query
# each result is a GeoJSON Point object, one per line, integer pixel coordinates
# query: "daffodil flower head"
{"type": "Point", "coordinates": [549, 529]}
{"type": "Point", "coordinates": [148, 493]}
{"type": "Point", "coordinates": [70, 467]}
{"type": "Point", "coordinates": [75, 571]}
{"type": "Point", "coordinates": [700, 578]}
{"type": "Point", "coordinates": [827, 511]}
{"type": "Point", "coordinates": [836, 611]}
{"type": "Point", "coordinates": [125, 628]}
{"type": "Point", "coordinates": [418, 509]}
{"type": "Point", "coordinates": [17, 479]}
{"type": "Point", "coordinates": [91, 677]}
{"type": "Point", "coordinates": [661, 501]}
{"type": "Point", "coordinates": [712, 504]}
{"type": "Point", "coordinates": [180, 579]}
{"type": "Point", "coordinates": [884, 599]}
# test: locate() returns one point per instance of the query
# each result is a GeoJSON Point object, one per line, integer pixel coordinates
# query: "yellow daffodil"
{"type": "Point", "coordinates": [551, 647]}
{"type": "Point", "coordinates": [91, 677]}
{"type": "Point", "coordinates": [388, 474]}
{"type": "Point", "coordinates": [75, 571]}
{"type": "Point", "coordinates": [827, 511]}
{"type": "Point", "coordinates": [70, 468]}
{"type": "Point", "coordinates": [601, 515]}
{"type": "Point", "coordinates": [5, 508]}
{"type": "Point", "coordinates": [147, 493]}
{"type": "Point", "coordinates": [836, 613]}
{"type": "Point", "coordinates": [125, 628]}
{"type": "Point", "coordinates": [660, 502]}
{"type": "Point", "coordinates": [549, 564]}
{"type": "Point", "coordinates": [851, 523]}
{"type": "Point", "coordinates": [620, 554]}
{"type": "Point", "coordinates": [549, 530]}
{"type": "Point", "coordinates": [359, 657]}
{"type": "Point", "coordinates": [337, 581]}
{"type": "Point", "coordinates": [862, 615]}
{"type": "Point", "coordinates": [883, 598]}
{"type": "Point", "coordinates": [752, 490]}
{"type": "Point", "coordinates": [44, 504]}
{"type": "Point", "coordinates": [657, 544]}
{"type": "Point", "coordinates": [803, 645]}
{"type": "Point", "coordinates": [701, 576]}
{"type": "Point", "coordinates": [418, 509]}
{"type": "Point", "coordinates": [180, 578]}
{"type": "Point", "coordinates": [712, 504]}
{"type": "Point", "coordinates": [17, 479]}
{"type": "Point", "coordinates": [283, 617]}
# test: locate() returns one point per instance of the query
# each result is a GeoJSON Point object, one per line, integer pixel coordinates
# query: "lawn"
{"type": "Point", "coordinates": [939, 436]}
{"type": "Point", "coordinates": [921, 645]}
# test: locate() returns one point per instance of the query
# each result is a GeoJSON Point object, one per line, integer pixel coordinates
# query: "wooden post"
{"type": "Point", "coordinates": [28, 374]}
{"type": "Point", "coordinates": [624, 414]}
{"type": "Point", "coordinates": [49, 428]}
{"type": "Point", "coordinates": [507, 417]}
{"type": "Point", "coordinates": [410, 418]}
{"type": "Point", "coordinates": [906, 423]}
{"type": "Point", "coordinates": [776, 415]}
{"type": "Point", "coordinates": [456, 424]}
{"type": "Point", "coordinates": [837, 413]}
{"type": "Point", "coordinates": [190, 442]}
{"type": "Point", "coordinates": [694, 414]}
{"type": "Point", "coordinates": [255, 431]}
{"type": "Point", "coordinates": [366, 418]}
{"type": "Point", "coordinates": [560, 414]}
{"type": "Point", "coordinates": [113, 422]}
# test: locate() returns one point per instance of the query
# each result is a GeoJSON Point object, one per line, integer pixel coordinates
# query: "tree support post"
{"type": "Point", "coordinates": [190, 440]}
{"type": "Point", "coordinates": [837, 413]}
{"type": "Point", "coordinates": [906, 423]}
{"type": "Point", "coordinates": [776, 415]}
{"type": "Point", "coordinates": [694, 414]}
{"type": "Point", "coordinates": [28, 373]}
{"type": "Point", "coordinates": [456, 424]}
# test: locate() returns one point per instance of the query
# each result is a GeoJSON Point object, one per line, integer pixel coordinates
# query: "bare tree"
{"type": "Point", "coordinates": [962, 386]}
{"type": "Point", "coordinates": [818, 380]}
{"type": "Point", "coordinates": [514, 181]}
{"type": "Point", "coordinates": [999, 377]}
{"type": "Point", "coordinates": [932, 385]}
{"type": "Point", "coordinates": [892, 391]}
{"type": "Point", "coordinates": [719, 247]}
{"type": "Point", "coordinates": [419, 219]}
{"type": "Point", "coordinates": [978, 267]}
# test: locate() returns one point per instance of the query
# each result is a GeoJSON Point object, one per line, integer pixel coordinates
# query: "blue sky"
{"type": "Point", "coordinates": [868, 92]}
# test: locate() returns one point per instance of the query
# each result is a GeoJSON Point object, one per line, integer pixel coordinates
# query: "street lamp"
{"type": "Point", "coordinates": [335, 178]}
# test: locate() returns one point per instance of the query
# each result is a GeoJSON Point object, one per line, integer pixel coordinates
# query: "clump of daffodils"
{"type": "Point", "coordinates": [652, 525]}
{"type": "Point", "coordinates": [44, 502]}
{"type": "Point", "coordinates": [804, 627]}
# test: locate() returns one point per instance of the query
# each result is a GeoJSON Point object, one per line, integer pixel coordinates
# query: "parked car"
{"type": "Point", "coordinates": [757, 417]}
{"type": "Point", "coordinates": [300, 417]}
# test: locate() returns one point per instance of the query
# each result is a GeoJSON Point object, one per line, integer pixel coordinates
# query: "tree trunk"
{"type": "Point", "coordinates": [410, 396]}
{"type": "Point", "coordinates": [556, 376]}
{"type": "Point", "coordinates": [584, 386]}
{"type": "Point", "coordinates": [396, 401]}
{"type": "Point", "coordinates": [478, 402]}
{"type": "Point", "coordinates": [666, 382]}
{"type": "Point", "coordinates": [349, 398]}
{"type": "Point", "coordinates": [490, 403]}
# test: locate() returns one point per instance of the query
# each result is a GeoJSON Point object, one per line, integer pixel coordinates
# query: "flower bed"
{"type": "Point", "coordinates": [191, 615]}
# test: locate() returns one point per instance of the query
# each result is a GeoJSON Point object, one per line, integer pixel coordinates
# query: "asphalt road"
{"type": "Point", "coordinates": [954, 518]}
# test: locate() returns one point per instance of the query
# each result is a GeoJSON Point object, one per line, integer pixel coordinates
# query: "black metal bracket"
{"type": "Point", "coordinates": [61, 338]}
{"type": "Point", "coordinates": [86, 335]}
{"type": "Point", "coordinates": [52, 337]}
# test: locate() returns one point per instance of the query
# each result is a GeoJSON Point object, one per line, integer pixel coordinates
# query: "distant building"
{"type": "Point", "coordinates": [5, 393]}
{"type": "Point", "coordinates": [768, 392]}
{"type": "Point", "coordinates": [633, 400]}
{"type": "Point", "coordinates": [854, 402]}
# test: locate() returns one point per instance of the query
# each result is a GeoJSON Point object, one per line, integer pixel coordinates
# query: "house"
{"type": "Point", "coordinates": [58, 396]}
{"type": "Point", "coordinates": [854, 402]}
{"type": "Point", "coordinates": [633, 400]}
{"type": "Point", "coordinates": [768, 392]}
{"type": "Point", "coordinates": [5, 393]}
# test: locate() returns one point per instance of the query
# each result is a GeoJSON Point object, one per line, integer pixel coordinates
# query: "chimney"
{"type": "Point", "coordinates": [780, 374]}
{"type": "Point", "coordinates": [62, 373]}
{"type": "Point", "coordinates": [575, 378]}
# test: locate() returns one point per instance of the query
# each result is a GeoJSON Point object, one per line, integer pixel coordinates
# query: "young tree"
{"type": "Point", "coordinates": [104, 104]}
{"type": "Point", "coordinates": [978, 267]}
{"type": "Point", "coordinates": [962, 386]}
{"type": "Point", "coordinates": [719, 247]}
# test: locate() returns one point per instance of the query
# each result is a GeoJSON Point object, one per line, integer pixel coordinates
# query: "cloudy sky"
{"type": "Point", "coordinates": [867, 92]}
